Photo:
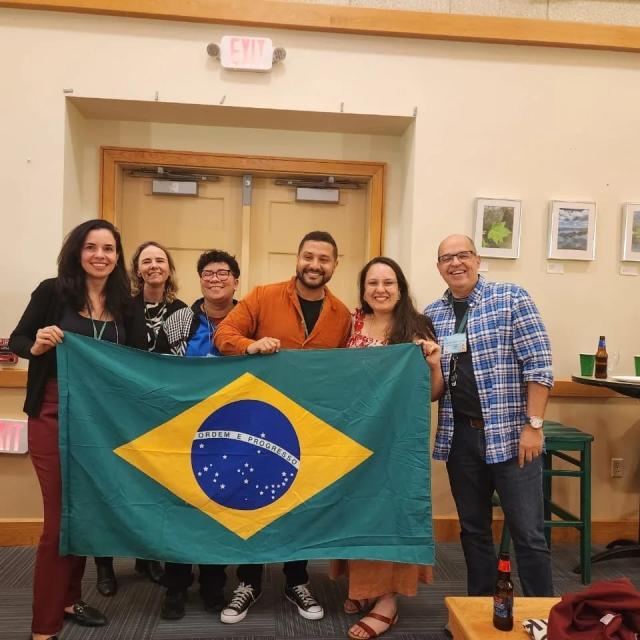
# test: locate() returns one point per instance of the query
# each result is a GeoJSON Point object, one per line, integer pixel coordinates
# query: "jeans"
{"type": "Point", "coordinates": [295, 573]}
{"type": "Point", "coordinates": [473, 482]}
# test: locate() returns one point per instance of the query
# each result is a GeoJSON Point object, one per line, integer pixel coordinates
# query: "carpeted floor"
{"type": "Point", "coordinates": [134, 612]}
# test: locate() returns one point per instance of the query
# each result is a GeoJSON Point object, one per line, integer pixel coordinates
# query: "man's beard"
{"type": "Point", "coordinates": [313, 285]}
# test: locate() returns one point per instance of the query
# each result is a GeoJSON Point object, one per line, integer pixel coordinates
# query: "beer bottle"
{"type": "Point", "coordinates": [503, 596]}
{"type": "Point", "coordinates": [601, 359]}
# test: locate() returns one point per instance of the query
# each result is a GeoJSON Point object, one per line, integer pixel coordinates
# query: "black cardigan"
{"type": "Point", "coordinates": [44, 309]}
{"type": "Point", "coordinates": [137, 327]}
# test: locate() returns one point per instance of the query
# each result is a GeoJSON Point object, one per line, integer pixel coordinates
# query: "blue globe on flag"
{"type": "Point", "coordinates": [245, 455]}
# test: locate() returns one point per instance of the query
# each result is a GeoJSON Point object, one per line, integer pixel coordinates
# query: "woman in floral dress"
{"type": "Point", "coordinates": [387, 315]}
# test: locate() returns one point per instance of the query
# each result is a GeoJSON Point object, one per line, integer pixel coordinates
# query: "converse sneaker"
{"type": "Point", "coordinates": [243, 597]}
{"type": "Point", "coordinates": [302, 597]}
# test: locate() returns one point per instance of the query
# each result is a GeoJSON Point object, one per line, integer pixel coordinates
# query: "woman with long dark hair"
{"type": "Point", "coordinates": [386, 315]}
{"type": "Point", "coordinates": [154, 290]}
{"type": "Point", "coordinates": [90, 297]}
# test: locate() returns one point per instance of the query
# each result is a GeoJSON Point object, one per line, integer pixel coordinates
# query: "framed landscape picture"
{"type": "Point", "coordinates": [572, 230]}
{"type": "Point", "coordinates": [631, 232]}
{"type": "Point", "coordinates": [497, 227]}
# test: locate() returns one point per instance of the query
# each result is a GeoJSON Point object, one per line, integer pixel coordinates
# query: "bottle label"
{"type": "Point", "coordinates": [504, 566]}
{"type": "Point", "coordinates": [503, 606]}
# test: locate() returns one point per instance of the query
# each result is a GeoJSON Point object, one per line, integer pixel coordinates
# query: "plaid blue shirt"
{"type": "Point", "coordinates": [509, 347]}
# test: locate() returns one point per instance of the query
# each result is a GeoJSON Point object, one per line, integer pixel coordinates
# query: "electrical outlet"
{"type": "Point", "coordinates": [617, 467]}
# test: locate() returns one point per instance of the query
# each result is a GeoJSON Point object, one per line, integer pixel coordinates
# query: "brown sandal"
{"type": "Point", "coordinates": [371, 633]}
{"type": "Point", "coordinates": [354, 605]}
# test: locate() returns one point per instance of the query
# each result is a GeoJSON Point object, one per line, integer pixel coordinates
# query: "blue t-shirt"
{"type": "Point", "coordinates": [201, 342]}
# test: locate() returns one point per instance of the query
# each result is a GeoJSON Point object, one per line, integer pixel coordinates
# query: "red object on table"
{"type": "Point", "coordinates": [607, 610]}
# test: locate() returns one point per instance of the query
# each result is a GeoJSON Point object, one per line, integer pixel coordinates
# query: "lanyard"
{"type": "Point", "coordinates": [463, 323]}
{"type": "Point", "coordinates": [453, 370]}
{"type": "Point", "coordinates": [96, 335]}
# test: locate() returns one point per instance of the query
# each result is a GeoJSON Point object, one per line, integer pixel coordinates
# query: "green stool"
{"type": "Point", "coordinates": [559, 439]}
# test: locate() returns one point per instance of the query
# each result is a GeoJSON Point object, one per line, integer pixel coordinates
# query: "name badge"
{"type": "Point", "coordinates": [456, 343]}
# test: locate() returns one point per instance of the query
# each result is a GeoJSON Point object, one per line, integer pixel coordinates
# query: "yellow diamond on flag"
{"type": "Point", "coordinates": [246, 455]}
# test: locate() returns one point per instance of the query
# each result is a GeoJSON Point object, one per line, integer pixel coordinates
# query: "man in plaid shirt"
{"type": "Point", "coordinates": [496, 361]}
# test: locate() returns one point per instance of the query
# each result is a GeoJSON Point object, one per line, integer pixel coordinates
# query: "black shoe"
{"type": "Point", "coordinates": [107, 584]}
{"type": "Point", "coordinates": [173, 605]}
{"type": "Point", "coordinates": [213, 602]}
{"type": "Point", "coordinates": [302, 597]}
{"type": "Point", "coordinates": [151, 568]}
{"type": "Point", "coordinates": [86, 616]}
{"type": "Point", "coordinates": [243, 597]}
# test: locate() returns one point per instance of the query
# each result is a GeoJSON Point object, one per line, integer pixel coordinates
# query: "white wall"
{"type": "Point", "coordinates": [522, 122]}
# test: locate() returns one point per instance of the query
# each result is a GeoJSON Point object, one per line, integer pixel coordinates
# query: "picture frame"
{"type": "Point", "coordinates": [631, 232]}
{"type": "Point", "coordinates": [572, 230]}
{"type": "Point", "coordinates": [497, 227]}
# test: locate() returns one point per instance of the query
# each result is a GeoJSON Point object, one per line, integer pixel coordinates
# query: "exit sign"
{"type": "Point", "coordinates": [245, 53]}
{"type": "Point", "coordinates": [13, 436]}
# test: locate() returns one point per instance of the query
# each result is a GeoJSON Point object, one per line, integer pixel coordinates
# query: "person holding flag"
{"type": "Point", "coordinates": [300, 313]}
{"type": "Point", "coordinates": [89, 296]}
{"type": "Point", "coordinates": [386, 315]}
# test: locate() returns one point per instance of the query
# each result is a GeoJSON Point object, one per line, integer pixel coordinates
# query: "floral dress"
{"type": "Point", "coordinates": [373, 578]}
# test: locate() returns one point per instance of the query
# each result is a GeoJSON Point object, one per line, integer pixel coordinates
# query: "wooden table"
{"type": "Point", "coordinates": [472, 618]}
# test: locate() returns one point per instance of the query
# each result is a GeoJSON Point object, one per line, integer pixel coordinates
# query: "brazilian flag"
{"type": "Point", "coordinates": [248, 459]}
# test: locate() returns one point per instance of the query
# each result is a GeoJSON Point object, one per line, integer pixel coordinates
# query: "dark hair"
{"type": "Point", "coordinates": [320, 236]}
{"type": "Point", "coordinates": [137, 282]}
{"type": "Point", "coordinates": [216, 255]}
{"type": "Point", "coordinates": [72, 285]}
{"type": "Point", "coordinates": [408, 323]}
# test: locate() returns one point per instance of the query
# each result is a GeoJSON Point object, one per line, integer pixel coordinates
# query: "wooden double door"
{"type": "Point", "coordinates": [262, 228]}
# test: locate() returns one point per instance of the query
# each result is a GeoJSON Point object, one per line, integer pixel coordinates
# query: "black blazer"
{"type": "Point", "coordinates": [44, 309]}
{"type": "Point", "coordinates": [136, 324]}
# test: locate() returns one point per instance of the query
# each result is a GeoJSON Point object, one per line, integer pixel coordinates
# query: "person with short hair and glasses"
{"type": "Point", "coordinates": [496, 363]}
{"type": "Point", "coordinates": [189, 332]}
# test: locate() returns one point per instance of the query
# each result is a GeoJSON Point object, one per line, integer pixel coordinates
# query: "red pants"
{"type": "Point", "coordinates": [56, 581]}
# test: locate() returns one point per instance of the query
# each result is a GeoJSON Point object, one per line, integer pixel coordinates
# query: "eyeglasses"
{"type": "Point", "coordinates": [463, 256]}
{"type": "Point", "coordinates": [221, 274]}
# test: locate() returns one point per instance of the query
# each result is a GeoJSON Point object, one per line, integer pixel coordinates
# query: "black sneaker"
{"type": "Point", "coordinates": [308, 606]}
{"type": "Point", "coordinates": [173, 605]}
{"type": "Point", "coordinates": [243, 597]}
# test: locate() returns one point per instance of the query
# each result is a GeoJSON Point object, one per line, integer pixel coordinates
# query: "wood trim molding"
{"type": "Point", "coordinates": [13, 378]}
{"type": "Point", "coordinates": [27, 531]}
{"type": "Point", "coordinates": [359, 20]}
{"type": "Point", "coordinates": [570, 389]}
{"type": "Point", "coordinates": [20, 532]}
{"type": "Point", "coordinates": [113, 158]}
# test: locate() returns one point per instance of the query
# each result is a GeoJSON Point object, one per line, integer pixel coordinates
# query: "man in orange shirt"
{"type": "Point", "coordinates": [300, 313]}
